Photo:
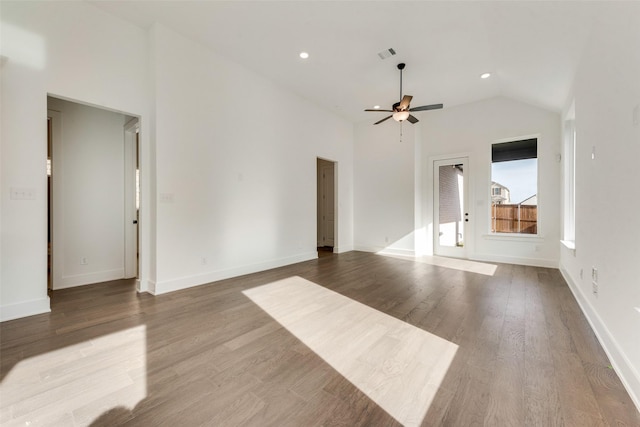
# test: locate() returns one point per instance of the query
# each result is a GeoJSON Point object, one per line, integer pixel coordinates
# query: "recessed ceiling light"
{"type": "Point", "coordinates": [304, 55]}
{"type": "Point", "coordinates": [376, 106]}
{"type": "Point", "coordinates": [485, 75]}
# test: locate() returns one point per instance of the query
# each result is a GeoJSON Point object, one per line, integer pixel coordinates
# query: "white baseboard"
{"type": "Point", "coordinates": [385, 250]}
{"type": "Point", "coordinates": [162, 287]}
{"type": "Point", "coordinates": [627, 373]}
{"type": "Point", "coordinates": [342, 249]}
{"type": "Point", "coordinates": [89, 278]}
{"type": "Point", "coordinates": [534, 262]}
{"type": "Point", "coordinates": [397, 251]}
{"type": "Point", "coordinates": [24, 309]}
{"type": "Point", "coordinates": [367, 248]}
{"type": "Point", "coordinates": [151, 287]}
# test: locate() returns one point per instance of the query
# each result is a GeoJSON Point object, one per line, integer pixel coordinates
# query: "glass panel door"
{"type": "Point", "coordinates": [451, 217]}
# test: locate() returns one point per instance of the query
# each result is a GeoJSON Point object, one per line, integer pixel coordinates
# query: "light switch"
{"type": "Point", "coordinates": [21, 193]}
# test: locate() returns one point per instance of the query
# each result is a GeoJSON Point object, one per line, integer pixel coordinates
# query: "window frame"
{"type": "Point", "coordinates": [539, 227]}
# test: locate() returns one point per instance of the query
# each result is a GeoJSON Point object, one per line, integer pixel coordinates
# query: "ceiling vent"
{"type": "Point", "coordinates": [386, 53]}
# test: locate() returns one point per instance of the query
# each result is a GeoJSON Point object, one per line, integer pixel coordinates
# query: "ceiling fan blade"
{"type": "Point", "coordinates": [380, 121]}
{"type": "Point", "coordinates": [427, 107]}
{"type": "Point", "coordinates": [412, 119]}
{"type": "Point", "coordinates": [386, 111]}
{"type": "Point", "coordinates": [404, 104]}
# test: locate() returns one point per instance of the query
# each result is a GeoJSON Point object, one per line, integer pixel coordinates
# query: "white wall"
{"type": "Point", "coordinates": [75, 51]}
{"type": "Point", "coordinates": [471, 129]}
{"type": "Point", "coordinates": [236, 168]}
{"type": "Point", "coordinates": [394, 180]}
{"type": "Point", "coordinates": [240, 174]}
{"type": "Point", "coordinates": [384, 187]}
{"type": "Point", "coordinates": [88, 195]}
{"type": "Point", "coordinates": [606, 91]}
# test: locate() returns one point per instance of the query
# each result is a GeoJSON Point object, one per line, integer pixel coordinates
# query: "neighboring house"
{"type": "Point", "coordinates": [499, 194]}
{"type": "Point", "coordinates": [530, 201]}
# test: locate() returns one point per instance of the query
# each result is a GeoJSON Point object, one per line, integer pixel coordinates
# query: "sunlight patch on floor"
{"type": "Point", "coordinates": [76, 384]}
{"type": "Point", "coordinates": [452, 263]}
{"type": "Point", "coordinates": [397, 365]}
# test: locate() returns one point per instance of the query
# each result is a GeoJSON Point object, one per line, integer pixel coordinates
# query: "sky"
{"type": "Point", "coordinates": [519, 176]}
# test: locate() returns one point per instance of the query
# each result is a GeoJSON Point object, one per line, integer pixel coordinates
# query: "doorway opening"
{"type": "Point", "coordinates": [93, 194]}
{"type": "Point", "coordinates": [326, 210]}
{"type": "Point", "coordinates": [132, 198]}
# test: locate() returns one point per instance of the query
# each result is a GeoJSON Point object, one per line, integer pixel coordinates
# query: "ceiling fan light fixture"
{"type": "Point", "coordinates": [400, 116]}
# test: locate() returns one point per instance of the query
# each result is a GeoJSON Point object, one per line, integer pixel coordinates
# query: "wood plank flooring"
{"type": "Point", "coordinates": [341, 340]}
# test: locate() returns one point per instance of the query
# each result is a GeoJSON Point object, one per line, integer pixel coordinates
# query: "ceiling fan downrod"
{"type": "Point", "coordinates": [401, 67]}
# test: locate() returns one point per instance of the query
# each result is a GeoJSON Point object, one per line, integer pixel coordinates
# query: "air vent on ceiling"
{"type": "Point", "coordinates": [386, 53]}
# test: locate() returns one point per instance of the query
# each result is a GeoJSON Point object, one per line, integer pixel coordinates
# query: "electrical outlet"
{"type": "Point", "coordinates": [83, 261]}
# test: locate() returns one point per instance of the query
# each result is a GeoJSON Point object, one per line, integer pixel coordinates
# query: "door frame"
{"type": "Point", "coordinates": [319, 204]}
{"type": "Point", "coordinates": [143, 283]}
{"type": "Point", "coordinates": [131, 268]}
{"type": "Point", "coordinates": [435, 163]}
{"type": "Point", "coordinates": [56, 226]}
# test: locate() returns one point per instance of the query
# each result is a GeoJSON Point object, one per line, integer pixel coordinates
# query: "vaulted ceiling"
{"type": "Point", "coordinates": [532, 48]}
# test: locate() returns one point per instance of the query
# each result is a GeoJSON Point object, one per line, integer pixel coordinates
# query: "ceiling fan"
{"type": "Point", "coordinates": [401, 110]}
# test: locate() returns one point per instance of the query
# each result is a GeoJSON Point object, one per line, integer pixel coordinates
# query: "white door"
{"type": "Point", "coordinates": [451, 214]}
{"type": "Point", "coordinates": [131, 199]}
{"type": "Point", "coordinates": [329, 207]}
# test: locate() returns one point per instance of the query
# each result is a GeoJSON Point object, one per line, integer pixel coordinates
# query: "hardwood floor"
{"type": "Point", "coordinates": [349, 339]}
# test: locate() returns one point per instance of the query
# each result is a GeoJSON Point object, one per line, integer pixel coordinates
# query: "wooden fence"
{"type": "Point", "coordinates": [514, 219]}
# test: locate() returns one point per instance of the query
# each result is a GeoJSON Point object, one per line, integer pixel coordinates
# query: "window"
{"type": "Point", "coordinates": [514, 187]}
